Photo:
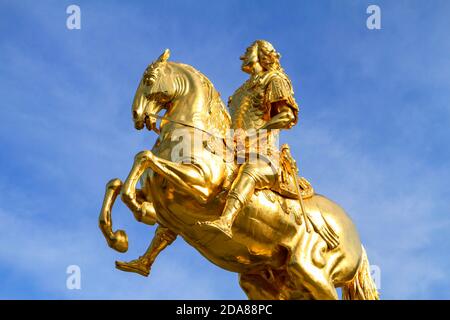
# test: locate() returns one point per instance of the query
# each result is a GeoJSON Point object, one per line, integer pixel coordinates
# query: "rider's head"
{"type": "Point", "coordinates": [260, 56]}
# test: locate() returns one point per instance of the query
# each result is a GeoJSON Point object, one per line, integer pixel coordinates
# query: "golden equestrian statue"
{"type": "Point", "coordinates": [222, 183]}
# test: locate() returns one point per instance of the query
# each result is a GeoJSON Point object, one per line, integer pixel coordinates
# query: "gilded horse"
{"type": "Point", "coordinates": [275, 256]}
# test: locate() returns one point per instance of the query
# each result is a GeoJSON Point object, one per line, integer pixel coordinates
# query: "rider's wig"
{"type": "Point", "coordinates": [268, 57]}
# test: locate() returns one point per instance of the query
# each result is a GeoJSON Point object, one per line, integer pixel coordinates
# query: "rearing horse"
{"type": "Point", "coordinates": [275, 257]}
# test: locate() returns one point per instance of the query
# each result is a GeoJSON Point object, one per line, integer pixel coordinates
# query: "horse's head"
{"type": "Point", "coordinates": [154, 93]}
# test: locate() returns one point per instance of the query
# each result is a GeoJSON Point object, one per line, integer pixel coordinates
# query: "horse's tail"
{"type": "Point", "coordinates": [362, 286]}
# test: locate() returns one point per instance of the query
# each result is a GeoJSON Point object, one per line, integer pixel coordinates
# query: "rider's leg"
{"type": "Point", "coordinates": [240, 193]}
{"type": "Point", "coordinates": [163, 238]}
{"type": "Point", "coordinates": [251, 176]}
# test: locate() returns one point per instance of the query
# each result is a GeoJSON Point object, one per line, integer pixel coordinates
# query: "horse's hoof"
{"type": "Point", "coordinates": [119, 242]}
{"type": "Point", "coordinates": [133, 266]}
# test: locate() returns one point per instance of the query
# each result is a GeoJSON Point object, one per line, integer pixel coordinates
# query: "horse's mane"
{"type": "Point", "coordinates": [220, 119]}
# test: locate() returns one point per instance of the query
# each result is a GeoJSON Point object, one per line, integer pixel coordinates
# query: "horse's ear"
{"type": "Point", "coordinates": [165, 56]}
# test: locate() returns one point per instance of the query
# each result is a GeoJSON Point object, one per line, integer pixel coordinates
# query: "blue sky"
{"type": "Point", "coordinates": [373, 133]}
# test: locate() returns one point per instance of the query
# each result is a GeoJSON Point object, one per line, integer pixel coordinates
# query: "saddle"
{"type": "Point", "coordinates": [287, 169]}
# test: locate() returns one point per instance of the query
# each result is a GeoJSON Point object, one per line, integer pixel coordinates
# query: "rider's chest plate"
{"type": "Point", "coordinates": [247, 105]}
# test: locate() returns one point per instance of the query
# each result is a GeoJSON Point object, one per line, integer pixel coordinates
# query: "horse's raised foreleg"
{"type": "Point", "coordinates": [163, 238]}
{"type": "Point", "coordinates": [188, 178]}
{"type": "Point", "coordinates": [134, 198]}
{"type": "Point", "coordinates": [146, 213]}
{"type": "Point", "coordinates": [117, 240]}
{"type": "Point", "coordinates": [142, 209]}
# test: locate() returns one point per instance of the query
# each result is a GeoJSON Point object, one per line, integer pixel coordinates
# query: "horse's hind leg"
{"type": "Point", "coordinates": [311, 282]}
{"type": "Point", "coordinates": [257, 287]}
{"type": "Point", "coordinates": [163, 238]}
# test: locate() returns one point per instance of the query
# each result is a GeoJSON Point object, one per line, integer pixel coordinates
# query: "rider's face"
{"type": "Point", "coordinates": [250, 60]}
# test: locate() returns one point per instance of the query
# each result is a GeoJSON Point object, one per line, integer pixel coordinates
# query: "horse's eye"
{"type": "Point", "coordinates": [148, 80]}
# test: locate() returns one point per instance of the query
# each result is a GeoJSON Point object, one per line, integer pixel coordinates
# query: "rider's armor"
{"type": "Point", "coordinates": [251, 107]}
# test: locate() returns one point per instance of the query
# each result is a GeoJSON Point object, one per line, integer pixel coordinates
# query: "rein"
{"type": "Point", "coordinates": [187, 125]}
{"type": "Point", "coordinates": [184, 124]}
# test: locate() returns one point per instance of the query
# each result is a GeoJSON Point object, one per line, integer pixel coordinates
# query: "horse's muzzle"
{"type": "Point", "coordinates": [139, 124]}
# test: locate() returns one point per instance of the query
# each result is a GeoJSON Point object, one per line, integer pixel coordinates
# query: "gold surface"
{"type": "Point", "coordinates": [283, 245]}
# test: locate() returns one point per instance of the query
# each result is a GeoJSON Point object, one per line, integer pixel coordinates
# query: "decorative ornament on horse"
{"type": "Point", "coordinates": [221, 182]}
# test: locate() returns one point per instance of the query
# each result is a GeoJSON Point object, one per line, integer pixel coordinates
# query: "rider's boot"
{"type": "Point", "coordinates": [239, 195]}
{"type": "Point", "coordinates": [142, 265]}
{"type": "Point", "coordinates": [224, 223]}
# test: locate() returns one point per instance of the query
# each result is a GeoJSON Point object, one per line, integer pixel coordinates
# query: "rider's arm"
{"type": "Point", "coordinates": [284, 119]}
{"type": "Point", "coordinates": [282, 108]}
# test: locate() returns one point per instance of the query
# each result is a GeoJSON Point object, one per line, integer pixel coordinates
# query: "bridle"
{"type": "Point", "coordinates": [183, 124]}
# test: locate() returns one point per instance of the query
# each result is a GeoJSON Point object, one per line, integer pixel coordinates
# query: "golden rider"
{"type": "Point", "coordinates": [264, 102]}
